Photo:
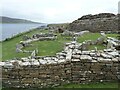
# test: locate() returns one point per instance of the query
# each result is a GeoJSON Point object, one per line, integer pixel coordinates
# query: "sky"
{"type": "Point", "coordinates": [55, 11]}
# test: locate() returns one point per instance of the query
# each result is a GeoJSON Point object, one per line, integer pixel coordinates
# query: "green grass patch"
{"type": "Point", "coordinates": [93, 85]}
{"type": "Point", "coordinates": [112, 35]}
{"type": "Point", "coordinates": [46, 47]}
{"type": "Point", "coordinates": [99, 47]}
{"type": "Point", "coordinates": [88, 36]}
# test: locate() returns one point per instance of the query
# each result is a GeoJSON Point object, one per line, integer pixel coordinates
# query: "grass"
{"type": "Point", "coordinates": [112, 35]}
{"type": "Point", "coordinates": [88, 36]}
{"type": "Point", "coordinates": [45, 47]}
{"type": "Point", "coordinates": [99, 47]}
{"type": "Point", "coordinates": [93, 85]}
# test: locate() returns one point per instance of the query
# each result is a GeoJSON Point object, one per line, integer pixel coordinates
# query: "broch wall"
{"type": "Point", "coordinates": [96, 23]}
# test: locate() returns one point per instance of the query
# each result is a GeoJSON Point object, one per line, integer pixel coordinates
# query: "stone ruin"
{"type": "Point", "coordinates": [72, 65]}
{"type": "Point", "coordinates": [107, 22]}
{"type": "Point", "coordinates": [70, 33]}
{"type": "Point", "coordinates": [67, 33]}
{"type": "Point", "coordinates": [36, 37]}
{"type": "Point", "coordinates": [101, 15]}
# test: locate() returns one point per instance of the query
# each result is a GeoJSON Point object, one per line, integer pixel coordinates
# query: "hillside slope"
{"type": "Point", "coordinates": [96, 23]}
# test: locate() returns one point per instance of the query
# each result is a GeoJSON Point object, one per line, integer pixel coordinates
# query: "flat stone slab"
{"type": "Point", "coordinates": [25, 63]}
{"type": "Point", "coordinates": [35, 63]}
{"type": "Point", "coordinates": [42, 61]}
{"type": "Point", "coordinates": [75, 56]}
{"type": "Point", "coordinates": [106, 55]}
{"type": "Point", "coordinates": [115, 59]}
{"type": "Point", "coordinates": [94, 61]}
{"type": "Point", "coordinates": [103, 59]}
{"type": "Point", "coordinates": [62, 60]}
{"type": "Point", "coordinates": [92, 54]}
{"type": "Point", "coordinates": [108, 50]}
{"type": "Point", "coordinates": [114, 54]}
{"type": "Point", "coordinates": [51, 61]}
{"type": "Point", "coordinates": [78, 52]}
{"type": "Point", "coordinates": [85, 52]}
{"type": "Point", "coordinates": [2, 63]}
{"type": "Point", "coordinates": [75, 60]}
{"type": "Point", "coordinates": [85, 57]}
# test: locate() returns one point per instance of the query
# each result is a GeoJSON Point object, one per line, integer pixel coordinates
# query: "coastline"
{"type": "Point", "coordinates": [17, 35]}
{"type": "Point", "coordinates": [20, 33]}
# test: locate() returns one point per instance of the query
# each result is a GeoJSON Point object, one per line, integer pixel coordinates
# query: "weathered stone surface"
{"type": "Point", "coordinates": [95, 23]}
{"type": "Point", "coordinates": [104, 60]}
{"type": "Point", "coordinates": [75, 59]}
{"type": "Point", "coordinates": [115, 59]}
{"type": "Point", "coordinates": [2, 64]}
{"type": "Point", "coordinates": [101, 15]}
{"type": "Point", "coordinates": [86, 52]}
{"type": "Point", "coordinates": [104, 55]}
{"type": "Point", "coordinates": [76, 56]}
{"type": "Point", "coordinates": [43, 61]}
{"type": "Point", "coordinates": [85, 57]}
{"type": "Point", "coordinates": [25, 64]}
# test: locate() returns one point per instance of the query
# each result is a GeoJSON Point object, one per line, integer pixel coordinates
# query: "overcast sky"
{"type": "Point", "coordinates": [56, 11]}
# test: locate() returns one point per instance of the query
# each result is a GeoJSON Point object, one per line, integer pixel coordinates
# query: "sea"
{"type": "Point", "coordinates": [10, 30]}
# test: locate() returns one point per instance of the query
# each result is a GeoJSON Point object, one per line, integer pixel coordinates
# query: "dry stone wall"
{"type": "Point", "coordinates": [52, 75]}
{"type": "Point", "coordinates": [69, 66]}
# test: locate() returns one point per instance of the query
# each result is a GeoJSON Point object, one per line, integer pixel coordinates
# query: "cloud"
{"type": "Point", "coordinates": [56, 10]}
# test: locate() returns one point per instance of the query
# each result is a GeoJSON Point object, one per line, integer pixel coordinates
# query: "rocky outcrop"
{"type": "Point", "coordinates": [96, 23]}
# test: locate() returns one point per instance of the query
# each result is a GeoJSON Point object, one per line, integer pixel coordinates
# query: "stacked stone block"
{"type": "Point", "coordinates": [75, 66]}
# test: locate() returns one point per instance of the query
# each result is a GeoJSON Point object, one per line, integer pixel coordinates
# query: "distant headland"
{"type": "Point", "coordinates": [5, 19]}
